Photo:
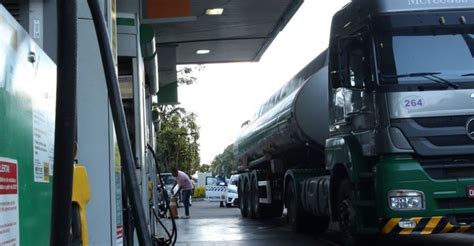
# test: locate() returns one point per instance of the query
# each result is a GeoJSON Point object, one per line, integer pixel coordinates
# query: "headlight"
{"type": "Point", "coordinates": [232, 191]}
{"type": "Point", "coordinates": [406, 200]}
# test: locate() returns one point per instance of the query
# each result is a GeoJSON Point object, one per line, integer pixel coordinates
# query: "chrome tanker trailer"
{"type": "Point", "coordinates": [295, 116]}
{"type": "Point", "coordinates": [288, 132]}
{"type": "Point", "coordinates": [376, 133]}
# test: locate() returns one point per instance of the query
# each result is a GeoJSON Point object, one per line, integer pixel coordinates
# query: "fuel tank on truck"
{"type": "Point", "coordinates": [296, 115]}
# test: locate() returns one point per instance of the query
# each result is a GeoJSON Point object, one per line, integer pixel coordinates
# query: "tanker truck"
{"type": "Point", "coordinates": [376, 134]}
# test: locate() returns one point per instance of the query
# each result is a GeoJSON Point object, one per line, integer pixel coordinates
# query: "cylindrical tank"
{"type": "Point", "coordinates": [296, 115]}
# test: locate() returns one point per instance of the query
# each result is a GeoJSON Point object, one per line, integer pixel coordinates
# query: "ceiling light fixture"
{"type": "Point", "coordinates": [215, 11]}
{"type": "Point", "coordinates": [203, 52]}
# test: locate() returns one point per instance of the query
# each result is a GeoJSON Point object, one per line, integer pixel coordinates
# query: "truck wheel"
{"type": "Point", "coordinates": [248, 198]}
{"type": "Point", "coordinates": [242, 198]}
{"type": "Point", "coordinates": [294, 210]}
{"type": "Point", "coordinates": [346, 214]}
{"type": "Point", "coordinates": [257, 207]}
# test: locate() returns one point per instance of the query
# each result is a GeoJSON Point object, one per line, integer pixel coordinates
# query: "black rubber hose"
{"type": "Point", "coordinates": [174, 232]}
{"type": "Point", "coordinates": [121, 130]}
{"type": "Point", "coordinates": [162, 225]}
{"type": "Point", "coordinates": [158, 171]}
{"type": "Point", "coordinates": [65, 123]}
{"type": "Point", "coordinates": [157, 167]}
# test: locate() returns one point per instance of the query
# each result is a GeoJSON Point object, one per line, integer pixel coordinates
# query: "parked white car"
{"type": "Point", "coordinates": [232, 195]}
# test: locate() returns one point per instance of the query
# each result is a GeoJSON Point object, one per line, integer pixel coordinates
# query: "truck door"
{"type": "Point", "coordinates": [352, 100]}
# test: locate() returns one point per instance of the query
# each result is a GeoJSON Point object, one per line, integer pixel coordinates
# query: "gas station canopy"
{"type": "Point", "coordinates": [217, 31]}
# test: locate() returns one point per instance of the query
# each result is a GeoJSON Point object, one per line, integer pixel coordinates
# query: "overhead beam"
{"type": "Point", "coordinates": [169, 20]}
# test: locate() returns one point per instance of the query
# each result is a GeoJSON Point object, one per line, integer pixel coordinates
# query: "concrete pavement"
{"type": "Point", "coordinates": [211, 225]}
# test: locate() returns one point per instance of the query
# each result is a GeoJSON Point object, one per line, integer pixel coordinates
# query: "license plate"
{"type": "Point", "coordinates": [470, 191]}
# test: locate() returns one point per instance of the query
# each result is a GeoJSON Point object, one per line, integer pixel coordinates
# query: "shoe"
{"type": "Point", "coordinates": [186, 217]}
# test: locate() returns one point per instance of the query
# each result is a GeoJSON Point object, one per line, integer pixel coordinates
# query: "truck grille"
{"type": "Point", "coordinates": [437, 136]}
{"type": "Point", "coordinates": [453, 203]}
{"type": "Point", "coordinates": [448, 168]}
{"type": "Point", "coordinates": [450, 140]}
{"type": "Point", "coordinates": [448, 121]}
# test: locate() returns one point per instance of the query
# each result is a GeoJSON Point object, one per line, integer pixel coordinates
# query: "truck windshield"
{"type": "Point", "coordinates": [450, 56]}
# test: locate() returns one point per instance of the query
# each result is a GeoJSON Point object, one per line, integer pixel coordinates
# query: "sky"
{"type": "Point", "coordinates": [226, 95]}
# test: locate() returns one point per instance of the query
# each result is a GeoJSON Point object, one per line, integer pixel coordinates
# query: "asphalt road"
{"type": "Point", "coordinates": [211, 225]}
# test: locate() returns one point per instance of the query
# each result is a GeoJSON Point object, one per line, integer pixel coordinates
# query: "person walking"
{"type": "Point", "coordinates": [185, 186]}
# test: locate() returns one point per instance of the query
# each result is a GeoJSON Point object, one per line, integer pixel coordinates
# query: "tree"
{"type": "Point", "coordinates": [186, 74]}
{"type": "Point", "coordinates": [204, 168]}
{"type": "Point", "coordinates": [224, 162]}
{"type": "Point", "coordinates": [177, 139]}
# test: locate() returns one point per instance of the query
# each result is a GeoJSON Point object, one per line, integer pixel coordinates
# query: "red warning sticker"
{"type": "Point", "coordinates": [8, 178]}
{"type": "Point", "coordinates": [9, 216]}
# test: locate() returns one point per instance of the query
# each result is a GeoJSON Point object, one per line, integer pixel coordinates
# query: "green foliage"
{"type": "Point", "coordinates": [178, 135]}
{"type": "Point", "coordinates": [186, 74]}
{"type": "Point", "coordinates": [224, 162]}
{"type": "Point", "coordinates": [204, 168]}
{"type": "Point", "coordinates": [199, 192]}
{"type": "Point", "coordinates": [177, 139]}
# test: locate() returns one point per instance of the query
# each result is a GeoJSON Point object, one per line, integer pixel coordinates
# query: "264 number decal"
{"type": "Point", "coordinates": [413, 102]}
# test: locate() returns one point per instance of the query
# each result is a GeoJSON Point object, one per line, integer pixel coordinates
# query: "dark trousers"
{"type": "Point", "coordinates": [186, 194]}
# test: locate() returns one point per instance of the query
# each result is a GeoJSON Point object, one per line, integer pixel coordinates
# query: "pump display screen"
{"type": "Point", "coordinates": [416, 59]}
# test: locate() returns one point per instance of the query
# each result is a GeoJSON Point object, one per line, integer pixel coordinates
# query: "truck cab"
{"type": "Point", "coordinates": [401, 132]}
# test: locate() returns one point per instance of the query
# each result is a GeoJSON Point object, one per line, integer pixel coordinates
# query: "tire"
{"type": "Point", "coordinates": [248, 198]}
{"type": "Point", "coordinates": [242, 198]}
{"type": "Point", "coordinates": [346, 215]}
{"type": "Point", "coordinates": [299, 219]}
{"type": "Point", "coordinates": [229, 205]}
{"type": "Point", "coordinates": [294, 216]}
{"type": "Point", "coordinates": [258, 209]}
